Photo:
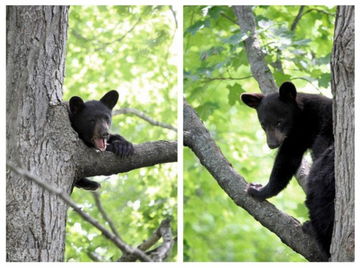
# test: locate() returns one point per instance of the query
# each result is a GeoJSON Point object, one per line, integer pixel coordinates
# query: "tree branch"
{"type": "Point", "coordinates": [259, 69]}
{"type": "Point", "coordinates": [121, 37]}
{"type": "Point", "coordinates": [226, 78]}
{"type": "Point", "coordinates": [94, 257]}
{"type": "Point", "coordinates": [113, 238]}
{"type": "Point", "coordinates": [301, 14]}
{"type": "Point", "coordinates": [297, 18]}
{"type": "Point", "coordinates": [161, 252]}
{"type": "Point", "coordinates": [144, 117]}
{"type": "Point", "coordinates": [287, 228]}
{"type": "Point", "coordinates": [104, 214]}
{"type": "Point", "coordinates": [107, 163]}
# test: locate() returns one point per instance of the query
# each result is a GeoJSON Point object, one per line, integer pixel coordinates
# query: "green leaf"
{"type": "Point", "coordinates": [193, 29]}
{"type": "Point", "coordinates": [239, 59]}
{"type": "Point", "coordinates": [324, 80]}
{"type": "Point", "coordinates": [234, 93]}
{"type": "Point", "coordinates": [212, 51]}
{"type": "Point", "coordinates": [281, 77]}
{"type": "Point", "coordinates": [235, 39]}
{"type": "Point", "coordinates": [206, 109]}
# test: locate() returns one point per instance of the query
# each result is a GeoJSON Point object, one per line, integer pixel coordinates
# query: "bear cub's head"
{"type": "Point", "coordinates": [277, 112]}
{"type": "Point", "coordinates": [92, 119]}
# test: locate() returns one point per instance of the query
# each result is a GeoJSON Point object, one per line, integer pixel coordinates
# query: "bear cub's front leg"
{"type": "Point", "coordinates": [119, 146]}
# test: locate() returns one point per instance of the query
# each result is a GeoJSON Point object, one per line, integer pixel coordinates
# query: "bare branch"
{"type": "Point", "coordinates": [302, 174]}
{"type": "Point", "coordinates": [104, 214]}
{"type": "Point", "coordinates": [121, 37]}
{"type": "Point", "coordinates": [297, 18]}
{"type": "Point", "coordinates": [227, 17]}
{"type": "Point", "coordinates": [94, 257]}
{"type": "Point", "coordinates": [287, 228]}
{"type": "Point", "coordinates": [259, 69]}
{"type": "Point", "coordinates": [227, 78]}
{"type": "Point", "coordinates": [107, 163]}
{"type": "Point", "coordinates": [161, 252]}
{"type": "Point", "coordinates": [301, 13]}
{"type": "Point", "coordinates": [174, 16]}
{"type": "Point", "coordinates": [113, 238]}
{"type": "Point", "coordinates": [144, 117]}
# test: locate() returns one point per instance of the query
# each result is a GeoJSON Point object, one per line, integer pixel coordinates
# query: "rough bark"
{"type": "Point", "coordinates": [342, 67]}
{"type": "Point", "coordinates": [259, 68]}
{"type": "Point", "coordinates": [284, 226]}
{"type": "Point", "coordinates": [35, 63]}
{"type": "Point", "coordinates": [145, 154]}
{"type": "Point", "coordinates": [40, 138]}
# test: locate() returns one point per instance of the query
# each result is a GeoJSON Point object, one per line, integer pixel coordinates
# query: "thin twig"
{"type": "Point", "coordinates": [144, 117]}
{"type": "Point", "coordinates": [301, 14]}
{"type": "Point", "coordinates": [228, 18]}
{"type": "Point", "coordinates": [120, 38]}
{"type": "Point", "coordinates": [227, 78]}
{"type": "Point", "coordinates": [297, 18]}
{"type": "Point", "coordinates": [66, 198]}
{"type": "Point", "coordinates": [104, 214]}
{"type": "Point", "coordinates": [174, 16]}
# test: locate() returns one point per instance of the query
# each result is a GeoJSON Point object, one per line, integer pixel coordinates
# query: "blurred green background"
{"type": "Point", "coordinates": [130, 49]}
{"type": "Point", "coordinates": [216, 72]}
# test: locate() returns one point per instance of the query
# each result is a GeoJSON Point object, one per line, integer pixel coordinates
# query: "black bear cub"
{"type": "Point", "coordinates": [92, 120]}
{"type": "Point", "coordinates": [295, 122]}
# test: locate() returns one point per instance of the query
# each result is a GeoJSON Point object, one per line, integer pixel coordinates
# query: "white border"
{"type": "Point", "coordinates": [179, 37]}
{"type": "Point", "coordinates": [180, 190]}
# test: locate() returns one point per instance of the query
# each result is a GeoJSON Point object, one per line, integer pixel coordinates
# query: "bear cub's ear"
{"type": "Point", "coordinates": [252, 99]}
{"type": "Point", "coordinates": [76, 104]}
{"type": "Point", "coordinates": [287, 91]}
{"type": "Point", "coordinates": [110, 99]}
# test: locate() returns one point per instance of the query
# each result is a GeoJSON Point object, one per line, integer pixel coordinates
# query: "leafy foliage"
{"type": "Point", "coordinates": [216, 73]}
{"type": "Point", "coordinates": [130, 49]}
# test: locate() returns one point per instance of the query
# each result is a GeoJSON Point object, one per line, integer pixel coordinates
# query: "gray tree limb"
{"type": "Point", "coordinates": [112, 237]}
{"type": "Point", "coordinates": [160, 253]}
{"type": "Point", "coordinates": [259, 68]}
{"type": "Point", "coordinates": [284, 226]}
{"type": "Point", "coordinates": [98, 203]}
{"type": "Point", "coordinates": [107, 163]}
{"type": "Point", "coordinates": [143, 116]}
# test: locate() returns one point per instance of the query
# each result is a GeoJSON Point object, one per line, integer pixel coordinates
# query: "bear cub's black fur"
{"type": "Point", "coordinates": [92, 121]}
{"type": "Point", "coordinates": [295, 122]}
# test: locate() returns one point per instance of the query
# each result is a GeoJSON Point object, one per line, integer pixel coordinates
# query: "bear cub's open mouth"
{"type": "Point", "coordinates": [100, 144]}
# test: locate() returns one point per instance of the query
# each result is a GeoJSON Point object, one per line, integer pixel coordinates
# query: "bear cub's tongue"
{"type": "Point", "coordinates": [100, 144]}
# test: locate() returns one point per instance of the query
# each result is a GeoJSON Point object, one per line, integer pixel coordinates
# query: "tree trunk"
{"type": "Point", "coordinates": [35, 61]}
{"type": "Point", "coordinates": [342, 66]}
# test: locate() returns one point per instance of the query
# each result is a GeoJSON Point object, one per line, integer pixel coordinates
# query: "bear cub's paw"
{"type": "Point", "coordinates": [254, 190]}
{"type": "Point", "coordinates": [87, 184]}
{"type": "Point", "coordinates": [119, 146]}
